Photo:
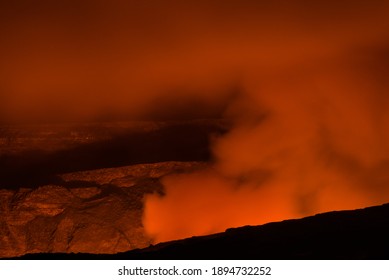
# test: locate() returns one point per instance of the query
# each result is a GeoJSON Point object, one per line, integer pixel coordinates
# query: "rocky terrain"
{"type": "Point", "coordinates": [80, 187]}
{"type": "Point", "coordinates": [98, 211]}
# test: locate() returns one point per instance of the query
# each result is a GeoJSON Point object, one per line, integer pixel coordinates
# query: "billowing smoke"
{"type": "Point", "coordinates": [314, 141]}
{"type": "Point", "coordinates": [311, 134]}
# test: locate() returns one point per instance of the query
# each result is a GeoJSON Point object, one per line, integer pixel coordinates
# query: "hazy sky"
{"type": "Point", "coordinates": [81, 59]}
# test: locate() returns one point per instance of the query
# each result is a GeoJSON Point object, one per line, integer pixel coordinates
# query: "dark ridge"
{"type": "Point", "coordinates": [177, 142]}
{"type": "Point", "coordinates": [353, 234]}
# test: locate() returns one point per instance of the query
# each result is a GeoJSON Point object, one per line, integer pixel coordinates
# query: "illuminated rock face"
{"type": "Point", "coordinates": [56, 219]}
{"type": "Point", "coordinates": [97, 211]}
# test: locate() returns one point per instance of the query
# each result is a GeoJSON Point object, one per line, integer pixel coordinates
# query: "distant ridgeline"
{"type": "Point", "coordinates": [32, 156]}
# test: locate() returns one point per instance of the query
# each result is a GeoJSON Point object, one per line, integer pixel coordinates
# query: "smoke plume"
{"type": "Point", "coordinates": [311, 134]}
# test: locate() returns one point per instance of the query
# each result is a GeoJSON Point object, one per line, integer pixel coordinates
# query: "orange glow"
{"type": "Point", "coordinates": [204, 203]}
{"type": "Point", "coordinates": [310, 136]}
{"type": "Point", "coordinates": [316, 141]}
{"type": "Point", "coordinates": [310, 119]}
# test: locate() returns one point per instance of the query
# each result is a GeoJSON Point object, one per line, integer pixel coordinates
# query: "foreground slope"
{"type": "Point", "coordinates": [353, 234]}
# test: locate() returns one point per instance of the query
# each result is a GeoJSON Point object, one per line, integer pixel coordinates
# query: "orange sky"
{"type": "Point", "coordinates": [81, 59]}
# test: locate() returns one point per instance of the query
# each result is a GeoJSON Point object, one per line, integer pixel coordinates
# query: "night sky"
{"type": "Point", "coordinates": [82, 59]}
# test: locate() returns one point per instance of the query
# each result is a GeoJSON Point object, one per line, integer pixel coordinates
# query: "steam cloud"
{"type": "Point", "coordinates": [310, 135]}
{"type": "Point", "coordinates": [318, 142]}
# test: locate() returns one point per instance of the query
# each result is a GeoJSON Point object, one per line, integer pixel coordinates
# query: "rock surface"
{"type": "Point", "coordinates": [98, 211]}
